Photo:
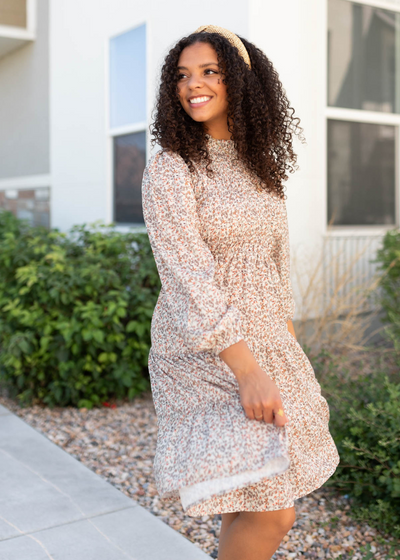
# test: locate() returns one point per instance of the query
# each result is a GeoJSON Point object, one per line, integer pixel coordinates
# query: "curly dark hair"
{"type": "Point", "coordinates": [260, 118]}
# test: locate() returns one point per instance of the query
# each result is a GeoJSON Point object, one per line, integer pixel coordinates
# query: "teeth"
{"type": "Point", "coordinates": [199, 99]}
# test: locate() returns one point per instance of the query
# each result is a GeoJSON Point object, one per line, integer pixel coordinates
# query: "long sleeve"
{"type": "Point", "coordinates": [203, 317]}
{"type": "Point", "coordinates": [282, 259]}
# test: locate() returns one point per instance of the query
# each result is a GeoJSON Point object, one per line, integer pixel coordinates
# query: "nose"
{"type": "Point", "coordinates": [195, 81]}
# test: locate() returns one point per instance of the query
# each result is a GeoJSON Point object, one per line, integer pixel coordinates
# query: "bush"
{"type": "Point", "coordinates": [75, 313]}
{"type": "Point", "coordinates": [389, 258]}
{"type": "Point", "coordinates": [365, 424]}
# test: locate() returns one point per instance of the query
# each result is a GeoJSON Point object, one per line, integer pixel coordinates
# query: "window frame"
{"type": "Point", "coordinates": [113, 132]}
{"type": "Point", "coordinates": [361, 116]}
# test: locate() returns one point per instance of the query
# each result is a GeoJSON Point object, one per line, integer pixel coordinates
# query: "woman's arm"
{"type": "Point", "coordinates": [201, 316]}
{"type": "Point", "coordinates": [291, 328]}
{"type": "Point", "coordinates": [281, 257]}
{"type": "Point", "coordinates": [259, 395]}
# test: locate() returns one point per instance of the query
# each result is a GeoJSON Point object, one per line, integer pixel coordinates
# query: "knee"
{"type": "Point", "coordinates": [278, 522]}
{"type": "Point", "coordinates": [288, 520]}
{"type": "Point", "coordinates": [283, 521]}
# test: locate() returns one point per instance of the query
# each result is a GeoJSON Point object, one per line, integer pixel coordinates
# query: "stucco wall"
{"type": "Point", "coordinates": [80, 32]}
{"type": "Point", "coordinates": [24, 105]}
{"type": "Point", "coordinates": [293, 36]}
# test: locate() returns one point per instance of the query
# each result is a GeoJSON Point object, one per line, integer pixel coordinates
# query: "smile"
{"type": "Point", "coordinates": [199, 101]}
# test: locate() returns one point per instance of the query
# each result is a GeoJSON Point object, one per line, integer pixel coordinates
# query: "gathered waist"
{"type": "Point", "coordinates": [224, 248]}
{"type": "Point", "coordinates": [246, 270]}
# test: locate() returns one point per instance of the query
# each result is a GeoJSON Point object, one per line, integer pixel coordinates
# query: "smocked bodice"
{"type": "Point", "coordinates": [221, 246]}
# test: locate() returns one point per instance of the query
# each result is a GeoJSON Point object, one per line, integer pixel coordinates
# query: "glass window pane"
{"type": "Point", "coordinates": [13, 12]}
{"type": "Point", "coordinates": [128, 78]}
{"type": "Point", "coordinates": [361, 173]}
{"type": "Point", "coordinates": [363, 57]}
{"type": "Point", "coordinates": [129, 164]}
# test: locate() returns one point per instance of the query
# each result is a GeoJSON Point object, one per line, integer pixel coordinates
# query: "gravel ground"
{"type": "Point", "coordinates": [118, 443]}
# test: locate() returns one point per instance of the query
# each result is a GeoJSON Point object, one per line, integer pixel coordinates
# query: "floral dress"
{"type": "Point", "coordinates": [221, 245]}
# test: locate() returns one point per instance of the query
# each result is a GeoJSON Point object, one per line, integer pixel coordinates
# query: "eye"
{"type": "Point", "coordinates": [211, 70]}
{"type": "Point", "coordinates": [180, 76]}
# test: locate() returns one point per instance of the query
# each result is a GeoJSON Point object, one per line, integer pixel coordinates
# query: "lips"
{"type": "Point", "coordinates": [199, 101]}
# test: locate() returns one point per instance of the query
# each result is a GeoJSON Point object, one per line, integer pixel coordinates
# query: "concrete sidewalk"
{"type": "Point", "coordinates": [53, 507]}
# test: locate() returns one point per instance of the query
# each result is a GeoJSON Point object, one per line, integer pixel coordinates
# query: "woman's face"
{"type": "Point", "coordinates": [201, 90]}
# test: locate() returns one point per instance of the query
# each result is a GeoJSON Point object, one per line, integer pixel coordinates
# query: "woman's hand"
{"type": "Point", "coordinates": [260, 398]}
{"type": "Point", "coordinates": [259, 395]}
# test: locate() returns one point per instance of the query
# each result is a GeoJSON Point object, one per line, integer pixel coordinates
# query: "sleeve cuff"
{"type": "Point", "coordinates": [226, 343]}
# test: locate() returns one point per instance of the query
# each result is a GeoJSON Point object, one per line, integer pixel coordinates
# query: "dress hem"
{"type": "Point", "coordinates": [196, 494]}
{"type": "Point", "coordinates": [296, 496]}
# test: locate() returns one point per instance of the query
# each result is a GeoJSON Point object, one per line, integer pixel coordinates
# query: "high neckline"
{"type": "Point", "coordinates": [220, 146]}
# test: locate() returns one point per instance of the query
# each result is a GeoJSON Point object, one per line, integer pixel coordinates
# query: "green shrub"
{"type": "Point", "coordinates": [367, 554]}
{"type": "Point", "coordinates": [389, 259]}
{"type": "Point", "coordinates": [365, 424]}
{"type": "Point", "coordinates": [75, 312]}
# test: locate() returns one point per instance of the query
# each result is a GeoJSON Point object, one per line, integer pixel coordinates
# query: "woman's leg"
{"type": "Point", "coordinates": [255, 535]}
{"type": "Point", "coordinates": [227, 519]}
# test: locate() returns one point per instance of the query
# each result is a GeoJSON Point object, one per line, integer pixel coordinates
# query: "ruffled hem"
{"type": "Point", "coordinates": [238, 463]}
{"type": "Point", "coordinates": [268, 504]}
{"type": "Point", "coordinates": [213, 442]}
{"type": "Point", "coordinates": [197, 493]}
{"type": "Point", "coordinates": [191, 448]}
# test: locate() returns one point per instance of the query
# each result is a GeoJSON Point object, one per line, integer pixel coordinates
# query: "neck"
{"type": "Point", "coordinates": [218, 129]}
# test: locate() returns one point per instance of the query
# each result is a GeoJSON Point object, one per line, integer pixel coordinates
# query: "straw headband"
{"type": "Point", "coordinates": [232, 38]}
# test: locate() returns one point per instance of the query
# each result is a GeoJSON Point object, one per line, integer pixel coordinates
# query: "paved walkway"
{"type": "Point", "coordinates": [53, 507]}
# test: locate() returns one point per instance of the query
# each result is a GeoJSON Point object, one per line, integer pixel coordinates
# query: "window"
{"type": "Point", "coordinates": [129, 163]}
{"type": "Point", "coordinates": [363, 114]}
{"type": "Point", "coordinates": [128, 78]}
{"type": "Point", "coordinates": [361, 173]}
{"type": "Point", "coordinates": [128, 122]}
{"type": "Point", "coordinates": [364, 57]}
{"type": "Point", "coordinates": [13, 12]}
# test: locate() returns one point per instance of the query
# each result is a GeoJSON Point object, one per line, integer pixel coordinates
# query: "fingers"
{"type": "Point", "coordinates": [261, 400]}
{"type": "Point", "coordinates": [263, 415]}
{"type": "Point", "coordinates": [280, 418]}
{"type": "Point", "coordinates": [271, 414]}
{"type": "Point", "coordinates": [267, 415]}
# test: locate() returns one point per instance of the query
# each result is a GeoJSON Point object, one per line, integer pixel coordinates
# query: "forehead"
{"type": "Point", "coordinates": [197, 54]}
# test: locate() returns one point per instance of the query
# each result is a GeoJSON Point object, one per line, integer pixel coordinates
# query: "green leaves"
{"type": "Point", "coordinates": [388, 258]}
{"type": "Point", "coordinates": [365, 424]}
{"type": "Point", "coordinates": [75, 312]}
{"type": "Point", "coordinates": [365, 417]}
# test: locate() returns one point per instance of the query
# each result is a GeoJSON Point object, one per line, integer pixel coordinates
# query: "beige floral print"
{"type": "Point", "coordinates": [221, 246]}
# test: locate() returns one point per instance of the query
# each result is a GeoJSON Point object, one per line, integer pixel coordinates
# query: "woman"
{"type": "Point", "coordinates": [243, 428]}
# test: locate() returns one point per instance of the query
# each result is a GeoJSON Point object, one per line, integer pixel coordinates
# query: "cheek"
{"type": "Point", "coordinates": [181, 92]}
{"type": "Point", "coordinates": [221, 89]}
{"type": "Point", "coordinates": [182, 98]}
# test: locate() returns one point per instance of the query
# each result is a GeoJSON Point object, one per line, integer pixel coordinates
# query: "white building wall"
{"type": "Point", "coordinates": [293, 35]}
{"type": "Point", "coordinates": [77, 113]}
{"type": "Point", "coordinates": [24, 106]}
{"type": "Point", "coordinates": [80, 143]}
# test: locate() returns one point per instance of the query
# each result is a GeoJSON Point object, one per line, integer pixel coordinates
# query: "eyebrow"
{"type": "Point", "coordinates": [201, 65]}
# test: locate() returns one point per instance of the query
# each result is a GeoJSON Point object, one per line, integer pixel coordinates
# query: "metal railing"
{"type": "Point", "coordinates": [350, 273]}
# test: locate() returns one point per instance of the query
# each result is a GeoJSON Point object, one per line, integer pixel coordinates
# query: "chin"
{"type": "Point", "coordinates": [198, 118]}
